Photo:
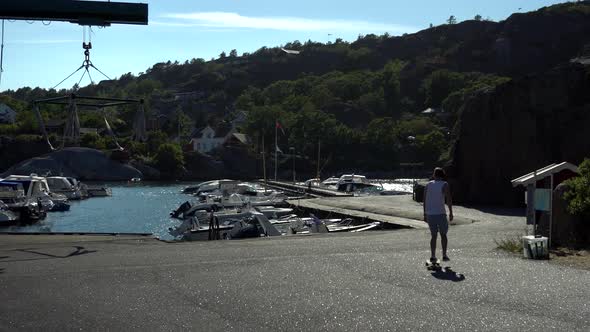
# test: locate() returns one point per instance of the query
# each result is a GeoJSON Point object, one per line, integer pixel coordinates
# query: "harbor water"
{"type": "Point", "coordinates": [137, 208]}
{"type": "Point", "coordinates": [133, 208]}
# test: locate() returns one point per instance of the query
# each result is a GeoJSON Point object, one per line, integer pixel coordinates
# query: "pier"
{"type": "Point", "coordinates": [298, 189]}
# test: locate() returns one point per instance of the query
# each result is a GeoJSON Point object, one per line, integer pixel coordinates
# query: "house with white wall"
{"type": "Point", "coordinates": [7, 114]}
{"type": "Point", "coordinates": [206, 139]}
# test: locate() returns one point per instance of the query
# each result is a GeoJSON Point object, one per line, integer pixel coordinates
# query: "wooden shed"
{"type": "Point", "coordinates": [540, 185]}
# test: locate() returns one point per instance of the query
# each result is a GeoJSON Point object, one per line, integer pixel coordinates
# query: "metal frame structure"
{"type": "Point", "coordinates": [95, 102]}
{"type": "Point", "coordinates": [96, 13]}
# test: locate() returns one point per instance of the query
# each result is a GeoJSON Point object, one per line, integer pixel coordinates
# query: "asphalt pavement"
{"type": "Point", "coordinates": [346, 282]}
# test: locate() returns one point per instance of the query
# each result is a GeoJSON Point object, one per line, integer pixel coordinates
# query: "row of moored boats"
{"type": "Point", "coordinates": [27, 198]}
{"type": "Point", "coordinates": [228, 209]}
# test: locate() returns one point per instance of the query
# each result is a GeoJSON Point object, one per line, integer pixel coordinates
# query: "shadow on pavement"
{"type": "Point", "coordinates": [1, 270]}
{"type": "Point", "coordinates": [448, 274]}
{"type": "Point", "coordinates": [79, 251]}
{"type": "Point", "coordinates": [509, 212]}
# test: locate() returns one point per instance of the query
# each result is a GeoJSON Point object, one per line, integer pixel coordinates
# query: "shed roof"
{"type": "Point", "coordinates": [543, 172]}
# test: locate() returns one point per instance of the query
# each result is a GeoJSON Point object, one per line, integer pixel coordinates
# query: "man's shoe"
{"type": "Point", "coordinates": [433, 260]}
{"type": "Point", "coordinates": [446, 259]}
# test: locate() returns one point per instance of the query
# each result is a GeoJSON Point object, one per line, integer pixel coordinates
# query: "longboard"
{"type": "Point", "coordinates": [433, 265]}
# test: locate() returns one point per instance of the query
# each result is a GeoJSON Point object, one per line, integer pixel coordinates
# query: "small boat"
{"type": "Point", "coordinates": [18, 201]}
{"type": "Point", "coordinates": [254, 224]}
{"type": "Point", "coordinates": [61, 185]}
{"type": "Point", "coordinates": [99, 191]}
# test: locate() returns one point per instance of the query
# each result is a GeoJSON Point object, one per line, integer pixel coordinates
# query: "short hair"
{"type": "Point", "coordinates": [439, 173]}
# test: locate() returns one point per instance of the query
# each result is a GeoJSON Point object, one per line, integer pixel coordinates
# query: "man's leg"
{"type": "Point", "coordinates": [444, 228]}
{"type": "Point", "coordinates": [433, 225]}
{"type": "Point", "coordinates": [433, 246]}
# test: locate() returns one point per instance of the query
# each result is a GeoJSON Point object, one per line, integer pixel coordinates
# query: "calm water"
{"type": "Point", "coordinates": [140, 208]}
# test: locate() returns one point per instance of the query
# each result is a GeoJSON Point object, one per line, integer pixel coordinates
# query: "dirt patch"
{"type": "Point", "coordinates": [572, 258]}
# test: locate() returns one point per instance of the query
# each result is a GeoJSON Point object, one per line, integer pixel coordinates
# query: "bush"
{"type": "Point", "coordinates": [169, 158]}
{"type": "Point", "coordinates": [578, 196]}
{"type": "Point", "coordinates": [92, 140]}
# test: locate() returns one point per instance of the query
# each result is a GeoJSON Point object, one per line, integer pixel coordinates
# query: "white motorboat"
{"type": "Point", "coordinates": [15, 198]}
{"type": "Point", "coordinates": [62, 185]}
{"type": "Point", "coordinates": [37, 189]}
{"type": "Point", "coordinates": [254, 224]}
{"type": "Point", "coordinates": [353, 182]}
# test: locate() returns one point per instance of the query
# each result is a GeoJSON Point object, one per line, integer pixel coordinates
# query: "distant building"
{"type": "Point", "coordinates": [7, 114]}
{"type": "Point", "coordinates": [206, 139]}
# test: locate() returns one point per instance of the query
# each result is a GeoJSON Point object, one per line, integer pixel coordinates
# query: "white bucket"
{"type": "Point", "coordinates": [535, 247]}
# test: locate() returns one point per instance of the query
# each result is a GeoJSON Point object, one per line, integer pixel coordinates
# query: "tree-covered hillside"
{"type": "Point", "coordinates": [365, 100]}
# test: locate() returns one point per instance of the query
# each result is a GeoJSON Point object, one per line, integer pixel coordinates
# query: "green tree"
{"type": "Point", "coordinates": [440, 84]}
{"type": "Point", "coordinates": [477, 17]}
{"type": "Point", "coordinates": [169, 158]}
{"type": "Point", "coordinates": [155, 140]}
{"type": "Point", "coordinates": [452, 20]}
{"type": "Point", "coordinates": [92, 140]}
{"type": "Point", "coordinates": [578, 196]}
{"type": "Point", "coordinates": [431, 146]}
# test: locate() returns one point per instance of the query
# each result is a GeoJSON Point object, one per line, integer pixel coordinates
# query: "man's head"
{"type": "Point", "coordinates": [439, 173]}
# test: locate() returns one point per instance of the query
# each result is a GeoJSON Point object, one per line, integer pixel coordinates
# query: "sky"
{"type": "Point", "coordinates": [41, 54]}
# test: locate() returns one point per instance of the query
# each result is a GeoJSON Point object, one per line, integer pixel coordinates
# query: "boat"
{"type": "Point", "coordinates": [330, 182]}
{"type": "Point", "coordinates": [99, 191]}
{"type": "Point", "coordinates": [36, 188]}
{"type": "Point", "coordinates": [206, 186]}
{"type": "Point", "coordinates": [254, 224]}
{"type": "Point", "coordinates": [353, 182]}
{"type": "Point", "coordinates": [233, 201]}
{"type": "Point", "coordinates": [62, 185]}
{"type": "Point", "coordinates": [14, 198]}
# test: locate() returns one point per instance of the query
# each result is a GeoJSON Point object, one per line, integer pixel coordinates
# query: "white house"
{"type": "Point", "coordinates": [7, 114]}
{"type": "Point", "coordinates": [206, 139]}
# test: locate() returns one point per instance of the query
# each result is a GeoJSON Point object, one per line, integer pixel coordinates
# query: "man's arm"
{"type": "Point", "coordinates": [425, 197]}
{"type": "Point", "coordinates": [449, 200]}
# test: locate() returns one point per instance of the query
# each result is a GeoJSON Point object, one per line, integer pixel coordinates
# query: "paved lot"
{"type": "Point", "coordinates": [356, 282]}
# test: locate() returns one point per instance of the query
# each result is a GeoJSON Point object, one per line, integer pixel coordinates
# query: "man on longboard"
{"type": "Point", "coordinates": [436, 193]}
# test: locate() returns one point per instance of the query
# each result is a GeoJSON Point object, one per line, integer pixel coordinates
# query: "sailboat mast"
{"type": "Point", "coordinates": [276, 148]}
{"type": "Point", "coordinates": [264, 162]}
{"type": "Point", "coordinates": [319, 149]}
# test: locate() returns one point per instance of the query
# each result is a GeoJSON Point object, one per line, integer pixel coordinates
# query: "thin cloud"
{"type": "Point", "coordinates": [43, 41]}
{"type": "Point", "coordinates": [234, 20]}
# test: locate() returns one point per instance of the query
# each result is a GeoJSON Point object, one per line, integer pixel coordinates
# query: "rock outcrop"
{"type": "Point", "coordinates": [519, 126]}
{"type": "Point", "coordinates": [81, 163]}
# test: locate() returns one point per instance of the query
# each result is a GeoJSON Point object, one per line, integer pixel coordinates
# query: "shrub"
{"type": "Point", "coordinates": [92, 140]}
{"type": "Point", "coordinates": [578, 195]}
{"type": "Point", "coordinates": [169, 158]}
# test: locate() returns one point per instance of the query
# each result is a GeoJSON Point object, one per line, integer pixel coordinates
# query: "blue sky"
{"type": "Point", "coordinates": [42, 55]}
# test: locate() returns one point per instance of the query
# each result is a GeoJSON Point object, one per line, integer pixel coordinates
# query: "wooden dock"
{"type": "Point", "coordinates": [313, 191]}
{"type": "Point", "coordinates": [399, 221]}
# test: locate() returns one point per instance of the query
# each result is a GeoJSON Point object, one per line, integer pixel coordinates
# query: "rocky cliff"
{"type": "Point", "coordinates": [81, 163]}
{"type": "Point", "coordinates": [519, 126]}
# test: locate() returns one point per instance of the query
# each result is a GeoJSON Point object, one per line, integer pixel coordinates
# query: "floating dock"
{"type": "Point", "coordinates": [302, 190]}
{"type": "Point", "coordinates": [398, 211]}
